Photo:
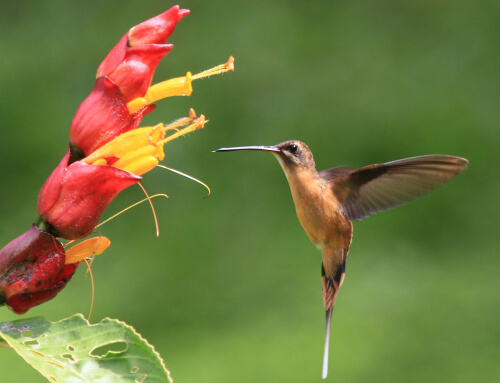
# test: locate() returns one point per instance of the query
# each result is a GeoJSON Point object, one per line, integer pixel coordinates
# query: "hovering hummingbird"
{"type": "Point", "coordinates": [327, 202]}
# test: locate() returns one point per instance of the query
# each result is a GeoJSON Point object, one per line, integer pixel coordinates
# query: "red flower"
{"type": "Point", "coordinates": [107, 153]}
{"type": "Point", "coordinates": [34, 267]}
{"type": "Point", "coordinates": [102, 116]}
{"type": "Point", "coordinates": [32, 270]}
{"type": "Point", "coordinates": [75, 195]}
{"type": "Point", "coordinates": [132, 62]}
{"type": "Point", "coordinates": [125, 74]}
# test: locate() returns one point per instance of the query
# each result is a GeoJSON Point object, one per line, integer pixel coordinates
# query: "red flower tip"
{"type": "Point", "coordinates": [157, 29]}
{"type": "Point", "coordinates": [183, 12]}
{"type": "Point", "coordinates": [153, 31]}
{"type": "Point", "coordinates": [32, 270]}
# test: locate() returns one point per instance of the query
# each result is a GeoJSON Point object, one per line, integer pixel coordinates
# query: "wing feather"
{"type": "Point", "coordinates": [380, 187]}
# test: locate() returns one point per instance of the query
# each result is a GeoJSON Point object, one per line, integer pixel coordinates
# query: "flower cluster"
{"type": "Point", "coordinates": [107, 153]}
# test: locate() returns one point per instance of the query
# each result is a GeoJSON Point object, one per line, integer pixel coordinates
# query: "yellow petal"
{"type": "Point", "coordinates": [86, 249]}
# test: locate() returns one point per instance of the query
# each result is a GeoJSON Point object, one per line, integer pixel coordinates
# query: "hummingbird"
{"type": "Point", "coordinates": [328, 201]}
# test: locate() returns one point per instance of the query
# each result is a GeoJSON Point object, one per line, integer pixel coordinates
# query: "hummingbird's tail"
{"type": "Point", "coordinates": [327, 342]}
{"type": "Point", "coordinates": [332, 277]}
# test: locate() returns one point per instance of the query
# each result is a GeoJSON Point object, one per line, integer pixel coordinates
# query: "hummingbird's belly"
{"type": "Point", "coordinates": [324, 223]}
{"type": "Point", "coordinates": [319, 212]}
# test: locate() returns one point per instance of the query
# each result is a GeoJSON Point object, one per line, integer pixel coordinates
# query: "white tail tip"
{"type": "Point", "coordinates": [324, 373]}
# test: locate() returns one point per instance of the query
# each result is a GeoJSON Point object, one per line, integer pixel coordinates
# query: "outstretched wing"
{"type": "Point", "coordinates": [381, 187]}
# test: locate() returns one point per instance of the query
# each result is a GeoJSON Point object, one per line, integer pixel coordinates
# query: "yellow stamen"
{"type": "Point", "coordinates": [180, 86]}
{"type": "Point", "coordinates": [187, 176]}
{"type": "Point", "coordinates": [141, 160]}
{"type": "Point", "coordinates": [152, 208]}
{"type": "Point", "coordinates": [130, 207]}
{"type": "Point", "coordinates": [86, 249]}
{"type": "Point", "coordinates": [198, 123]}
{"type": "Point", "coordinates": [183, 121]}
{"type": "Point", "coordinates": [138, 151]}
{"type": "Point", "coordinates": [223, 68]}
{"type": "Point", "coordinates": [126, 143]}
{"type": "Point", "coordinates": [100, 161]}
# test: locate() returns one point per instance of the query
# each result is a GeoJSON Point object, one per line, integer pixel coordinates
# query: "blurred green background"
{"type": "Point", "coordinates": [231, 290]}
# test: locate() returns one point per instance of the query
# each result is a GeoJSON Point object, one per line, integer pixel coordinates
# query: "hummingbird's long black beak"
{"type": "Point", "coordinates": [269, 149]}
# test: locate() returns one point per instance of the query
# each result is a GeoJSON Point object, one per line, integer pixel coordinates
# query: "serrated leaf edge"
{"type": "Point", "coordinates": [107, 319]}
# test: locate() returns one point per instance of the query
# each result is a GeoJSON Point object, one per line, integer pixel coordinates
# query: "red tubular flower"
{"type": "Point", "coordinates": [132, 62]}
{"type": "Point", "coordinates": [102, 116]}
{"type": "Point", "coordinates": [125, 74]}
{"type": "Point", "coordinates": [32, 270]}
{"type": "Point", "coordinates": [107, 154]}
{"type": "Point", "coordinates": [109, 151]}
{"type": "Point", "coordinates": [75, 195]}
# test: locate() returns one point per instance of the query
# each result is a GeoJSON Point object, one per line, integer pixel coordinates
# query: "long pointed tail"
{"type": "Point", "coordinates": [327, 342]}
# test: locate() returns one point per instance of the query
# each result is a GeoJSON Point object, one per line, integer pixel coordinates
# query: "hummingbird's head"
{"type": "Point", "coordinates": [291, 154]}
{"type": "Point", "coordinates": [294, 153]}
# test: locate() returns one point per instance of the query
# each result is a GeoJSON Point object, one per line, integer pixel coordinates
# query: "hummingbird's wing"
{"type": "Point", "coordinates": [380, 187]}
{"type": "Point", "coordinates": [336, 172]}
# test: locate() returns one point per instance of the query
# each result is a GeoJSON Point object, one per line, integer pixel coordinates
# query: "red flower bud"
{"type": "Point", "coordinates": [32, 270]}
{"type": "Point", "coordinates": [75, 195]}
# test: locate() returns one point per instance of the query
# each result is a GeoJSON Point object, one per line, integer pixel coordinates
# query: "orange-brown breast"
{"type": "Point", "coordinates": [318, 210]}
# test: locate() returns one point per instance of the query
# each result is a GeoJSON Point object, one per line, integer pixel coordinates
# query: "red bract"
{"type": "Point", "coordinates": [154, 31]}
{"type": "Point", "coordinates": [32, 270]}
{"type": "Point", "coordinates": [134, 75]}
{"type": "Point", "coordinates": [125, 74]}
{"type": "Point", "coordinates": [75, 195]}
{"type": "Point", "coordinates": [102, 116]}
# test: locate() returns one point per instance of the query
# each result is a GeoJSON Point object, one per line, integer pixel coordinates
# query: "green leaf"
{"type": "Point", "coordinates": [72, 350]}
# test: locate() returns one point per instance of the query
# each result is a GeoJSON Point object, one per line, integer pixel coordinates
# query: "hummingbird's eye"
{"type": "Point", "coordinates": [293, 149]}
